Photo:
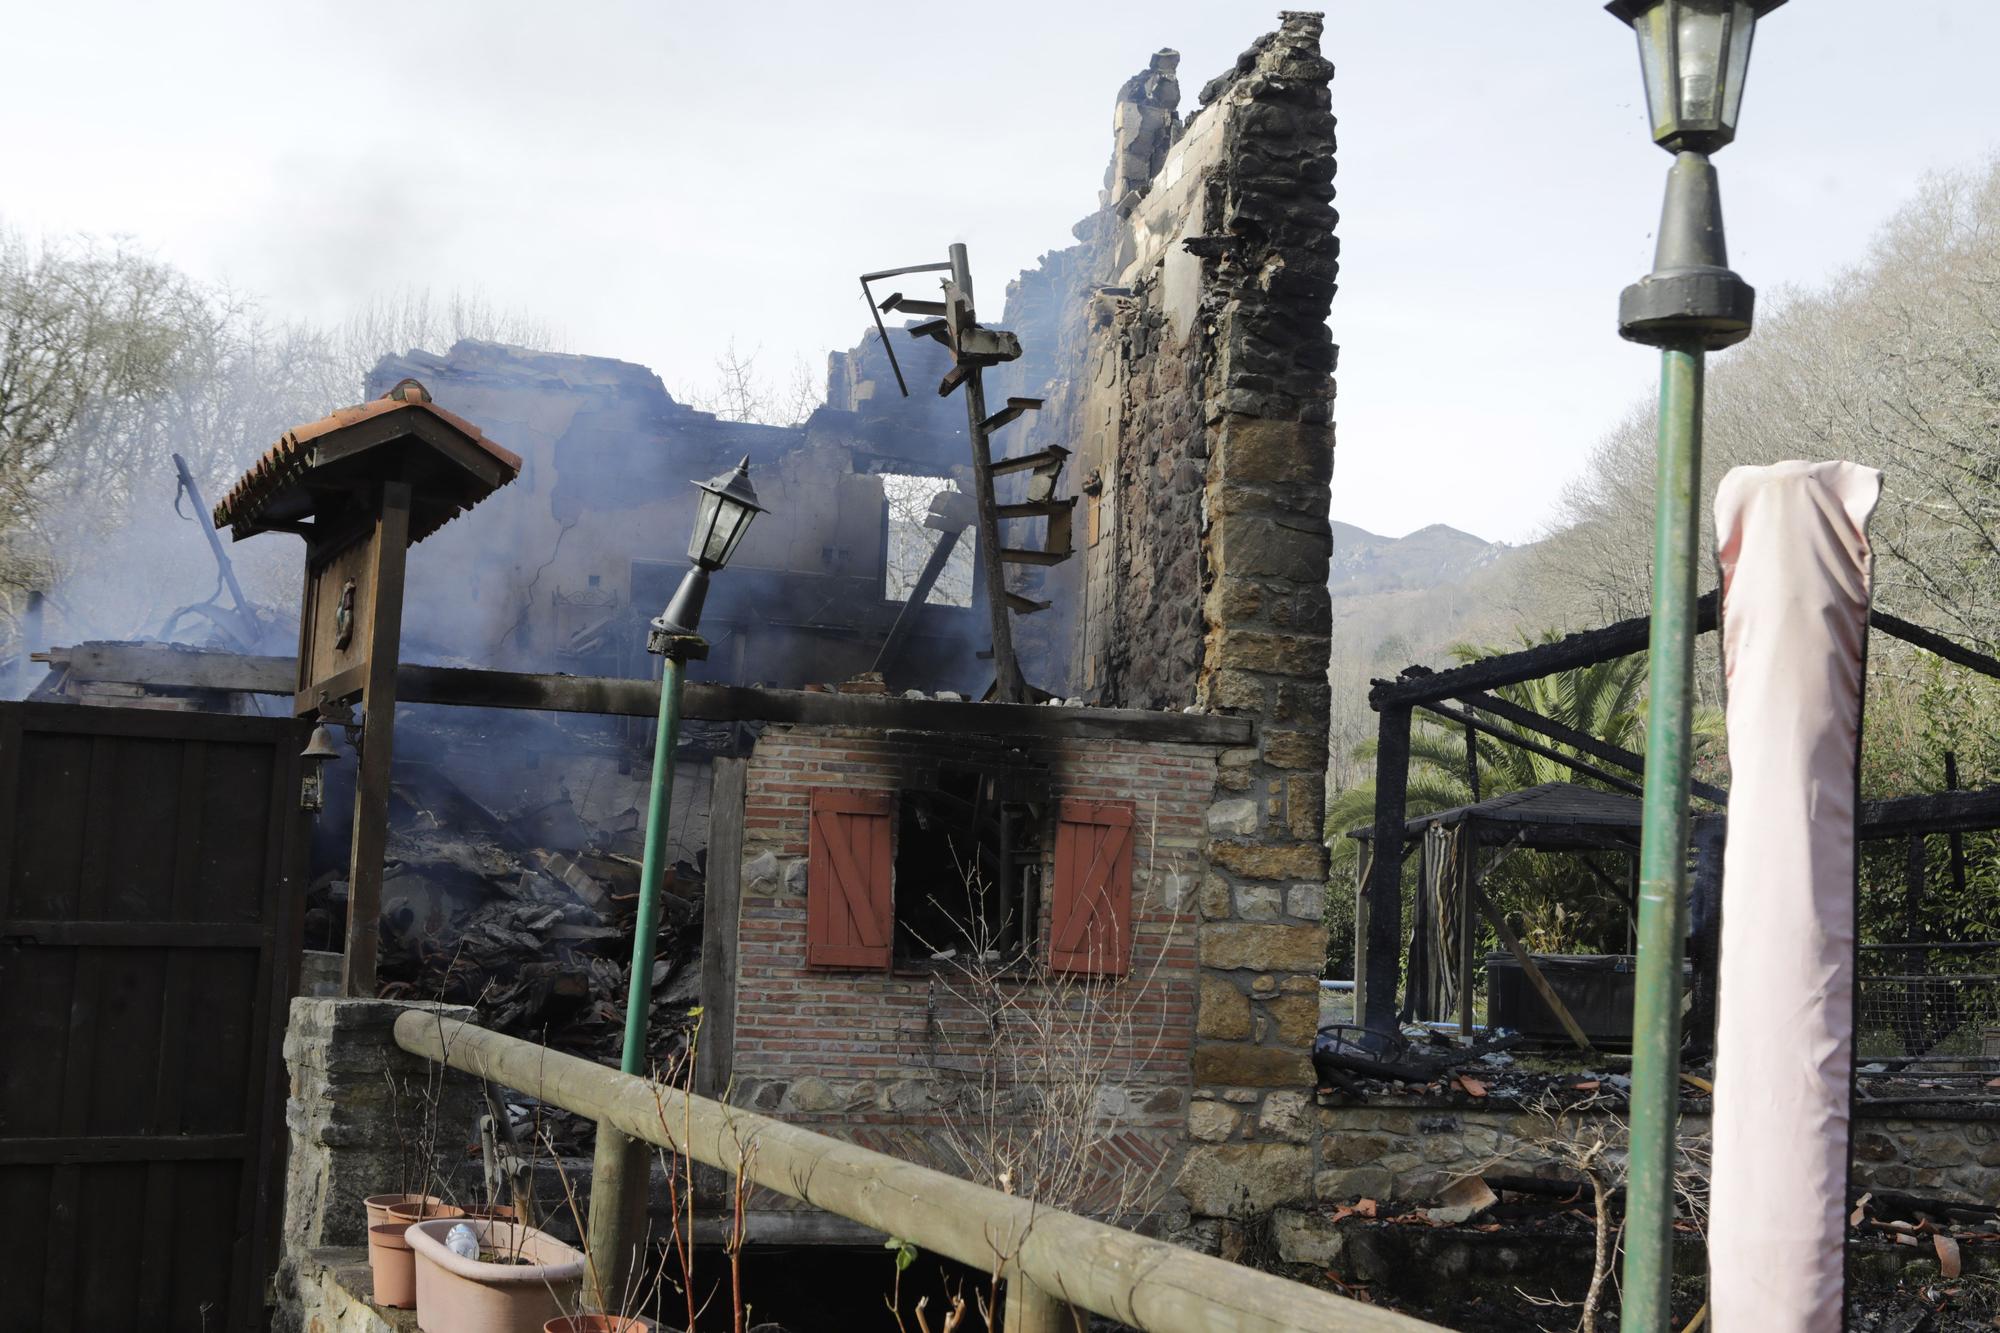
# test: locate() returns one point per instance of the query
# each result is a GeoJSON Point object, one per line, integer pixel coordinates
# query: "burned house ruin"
{"type": "Point", "coordinates": [852, 827]}
{"type": "Point", "coordinates": [1038, 906]}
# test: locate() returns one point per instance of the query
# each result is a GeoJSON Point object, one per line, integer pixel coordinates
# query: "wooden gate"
{"type": "Point", "coordinates": [150, 883]}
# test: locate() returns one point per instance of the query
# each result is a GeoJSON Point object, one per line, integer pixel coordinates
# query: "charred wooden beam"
{"type": "Point", "coordinates": [1932, 642]}
{"type": "Point", "coordinates": [1571, 762]}
{"type": "Point", "coordinates": [1947, 812]}
{"type": "Point", "coordinates": [185, 668]}
{"type": "Point", "coordinates": [1578, 740]}
{"type": "Point", "coordinates": [1528, 968]}
{"type": "Point", "coordinates": [1419, 685]}
{"type": "Point", "coordinates": [1382, 895]}
{"type": "Point", "coordinates": [1606, 644]}
{"type": "Point", "coordinates": [1705, 937]}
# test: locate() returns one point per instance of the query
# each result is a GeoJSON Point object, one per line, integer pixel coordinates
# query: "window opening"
{"type": "Point", "coordinates": [969, 865]}
{"type": "Point", "coordinates": [908, 543]}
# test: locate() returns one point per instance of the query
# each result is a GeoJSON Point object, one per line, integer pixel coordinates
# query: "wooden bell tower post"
{"type": "Point", "coordinates": [362, 486]}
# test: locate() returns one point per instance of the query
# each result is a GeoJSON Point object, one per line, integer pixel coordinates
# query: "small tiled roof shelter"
{"type": "Point", "coordinates": [362, 486]}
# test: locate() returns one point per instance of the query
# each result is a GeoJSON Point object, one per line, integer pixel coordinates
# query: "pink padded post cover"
{"type": "Point", "coordinates": [1796, 568]}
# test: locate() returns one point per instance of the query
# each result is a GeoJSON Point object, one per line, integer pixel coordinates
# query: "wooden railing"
{"type": "Point", "coordinates": [1053, 1262]}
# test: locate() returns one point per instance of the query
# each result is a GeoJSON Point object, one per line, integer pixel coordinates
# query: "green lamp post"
{"type": "Point", "coordinates": [1694, 55]}
{"type": "Point", "coordinates": [722, 516]}
{"type": "Point", "coordinates": [618, 1174]}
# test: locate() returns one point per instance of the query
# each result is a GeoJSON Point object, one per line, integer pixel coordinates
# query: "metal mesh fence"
{"type": "Point", "coordinates": [1926, 1001]}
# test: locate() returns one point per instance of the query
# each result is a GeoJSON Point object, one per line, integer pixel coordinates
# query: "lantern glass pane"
{"type": "Point", "coordinates": [1742, 25]}
{"type": "Point", "coordinates": [736, 519]}
{"type": "Point", "coordinates": [1656, 65]}
{"type": "Point", "coordinates": [1701, 33]}
{"type": "Point", "coordinates": [707, 510]}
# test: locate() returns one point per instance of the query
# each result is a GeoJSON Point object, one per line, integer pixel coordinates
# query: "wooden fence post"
{"type": "Point", "coordinates": [1032, 1310]}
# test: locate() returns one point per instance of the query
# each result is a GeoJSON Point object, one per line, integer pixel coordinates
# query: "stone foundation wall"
{"type": "Point", "coordinates": [364, 1116]}
{"type": "Point", "coordinates": [1410, 1151]}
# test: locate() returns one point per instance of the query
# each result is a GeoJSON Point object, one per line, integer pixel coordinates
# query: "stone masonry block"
{"type": "Point", "coordinates": [1260, 546]}
{"type": "Point", "coordinates": [1276, 654]}
{"type": "Point", "coordinates": [1223, 1180]}
{"type": "Point", "coordinates": [1307, 900]}
{"type": "Point", "coordinates": [1228, 946]}
{"type": "Point", "coordinates": [1236, 816]}
{"type": "Point", "coordinates": [1255, 860]}
{"type": "Point", "coordinates": [1221, 1011]}
{"type": "Point", "coordinates": [1232, 601]}
{"type": "Point", "coordinates": [1286, 1115]}
{"type": "Point", "coordinates": [1259, 902]}
{"type": "Point", "coordinates": [1228, 1065]}
{"type": "Point", "coordinates": [1239, 690]}
{"type": "Point", "coordinates": [1305, 806]}
{"type": "Point", "coordinates": [1308, 1238]}
{"type": "Point", "coordinates": [1260, 449]}
{"type": "Point", "coordinates": [1296, 1018]}
{"type": "Point", "coordinates": [1215, 904]}
{"type": "Point", "coordinates": [1212, 1122]}
{"type": "Point", "coordinates": [1295, 749]}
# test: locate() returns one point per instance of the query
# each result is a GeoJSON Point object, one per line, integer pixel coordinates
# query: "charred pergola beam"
{"type": "Point", "coordinates": [1605, 644]}
{"type": "Point", "coordinates": [1571, 762]}
{"type": "Point", "coordinates": [1379, 920]}
{"type": "Point", "coordinates": [1611, 642]}
{"type": "Point", "coordinates": [1581, 741]}
{"type": "Point", "coordinates": [1932, 642]}
{"type": "Point", "coordinates": [1916, 816]}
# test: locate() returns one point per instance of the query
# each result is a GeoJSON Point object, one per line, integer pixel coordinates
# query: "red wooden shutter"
{"type": "Point", "coordinates": [1090, 911]}
{"type": "Point", "coordinates": [849, 912]}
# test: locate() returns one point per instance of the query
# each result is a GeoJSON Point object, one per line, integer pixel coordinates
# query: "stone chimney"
{"type": "Point", "coordinates": [1143, 128]}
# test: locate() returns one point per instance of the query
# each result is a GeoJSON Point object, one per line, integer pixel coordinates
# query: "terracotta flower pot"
{"type": "Point", "coordinates": [595, 1323]}
{"type": "Point", "coordinates": [393, 1266]}
{"type": "Point", "coordinates": [492, 1212]}
{"type": "Point", "coordinates": [423, 1210]}
{"type": "Point", "coordinates": [458, 1295]}
{"type": "Point", "coordinates": [378, 1205]}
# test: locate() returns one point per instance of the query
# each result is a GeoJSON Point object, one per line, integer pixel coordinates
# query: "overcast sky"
{"type": "Point", "coordinates": [656, 178]}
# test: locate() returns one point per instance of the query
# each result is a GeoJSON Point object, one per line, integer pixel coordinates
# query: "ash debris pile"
{"type": "Point", "coordinates": [512, 875]}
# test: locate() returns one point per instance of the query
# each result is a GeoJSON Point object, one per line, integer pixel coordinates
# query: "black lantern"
{"type": "Point", "coordinates": [728, 503]}
{"type": "Point", "coordinates": [1694, 55]}
{"type": "Point", "coordinates": [722, 516]}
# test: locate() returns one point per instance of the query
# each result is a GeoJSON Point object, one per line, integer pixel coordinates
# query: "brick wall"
{"type": "Point", "coordinates": [886, 1058]}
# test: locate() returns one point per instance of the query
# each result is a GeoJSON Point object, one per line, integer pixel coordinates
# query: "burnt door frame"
{"type": "Point", "coordinates": [275, 935]}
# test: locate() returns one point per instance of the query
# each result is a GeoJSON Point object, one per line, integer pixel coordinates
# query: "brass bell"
{"type": "Point", "coordinates": [312, 786]}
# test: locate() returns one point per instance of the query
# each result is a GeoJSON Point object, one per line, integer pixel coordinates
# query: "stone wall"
{"type": "Point", "coordinates": [1266, 279]}
{"type": "Point", "coordinates": [1194, 385]}
{"type": "Point", "coordinates": [364, 1116]}
{"type": "Point", "coordinates": [1409, 1149]}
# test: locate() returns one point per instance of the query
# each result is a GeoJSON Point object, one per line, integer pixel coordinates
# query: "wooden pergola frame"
{"type": "Point", "coordinates": [1462, 695]}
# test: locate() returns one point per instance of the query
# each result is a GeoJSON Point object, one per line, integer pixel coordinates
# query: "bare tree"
{"type": "Point", "coordinates": [87, 333]}
{"type": "Point", "coordinates": [419, 318]}
{"type": "Point", "coordinates": [1036, 1066]}
{"type": "Point", "coordinates": [111, 362]}
{"type": "Point", "coordinates": [740, 392]}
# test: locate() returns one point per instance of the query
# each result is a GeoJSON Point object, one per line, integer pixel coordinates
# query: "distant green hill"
{"type": "Point", "coordinates": [1404, 600]}
{"type": "Point", "coordinates": [1427, 558]}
